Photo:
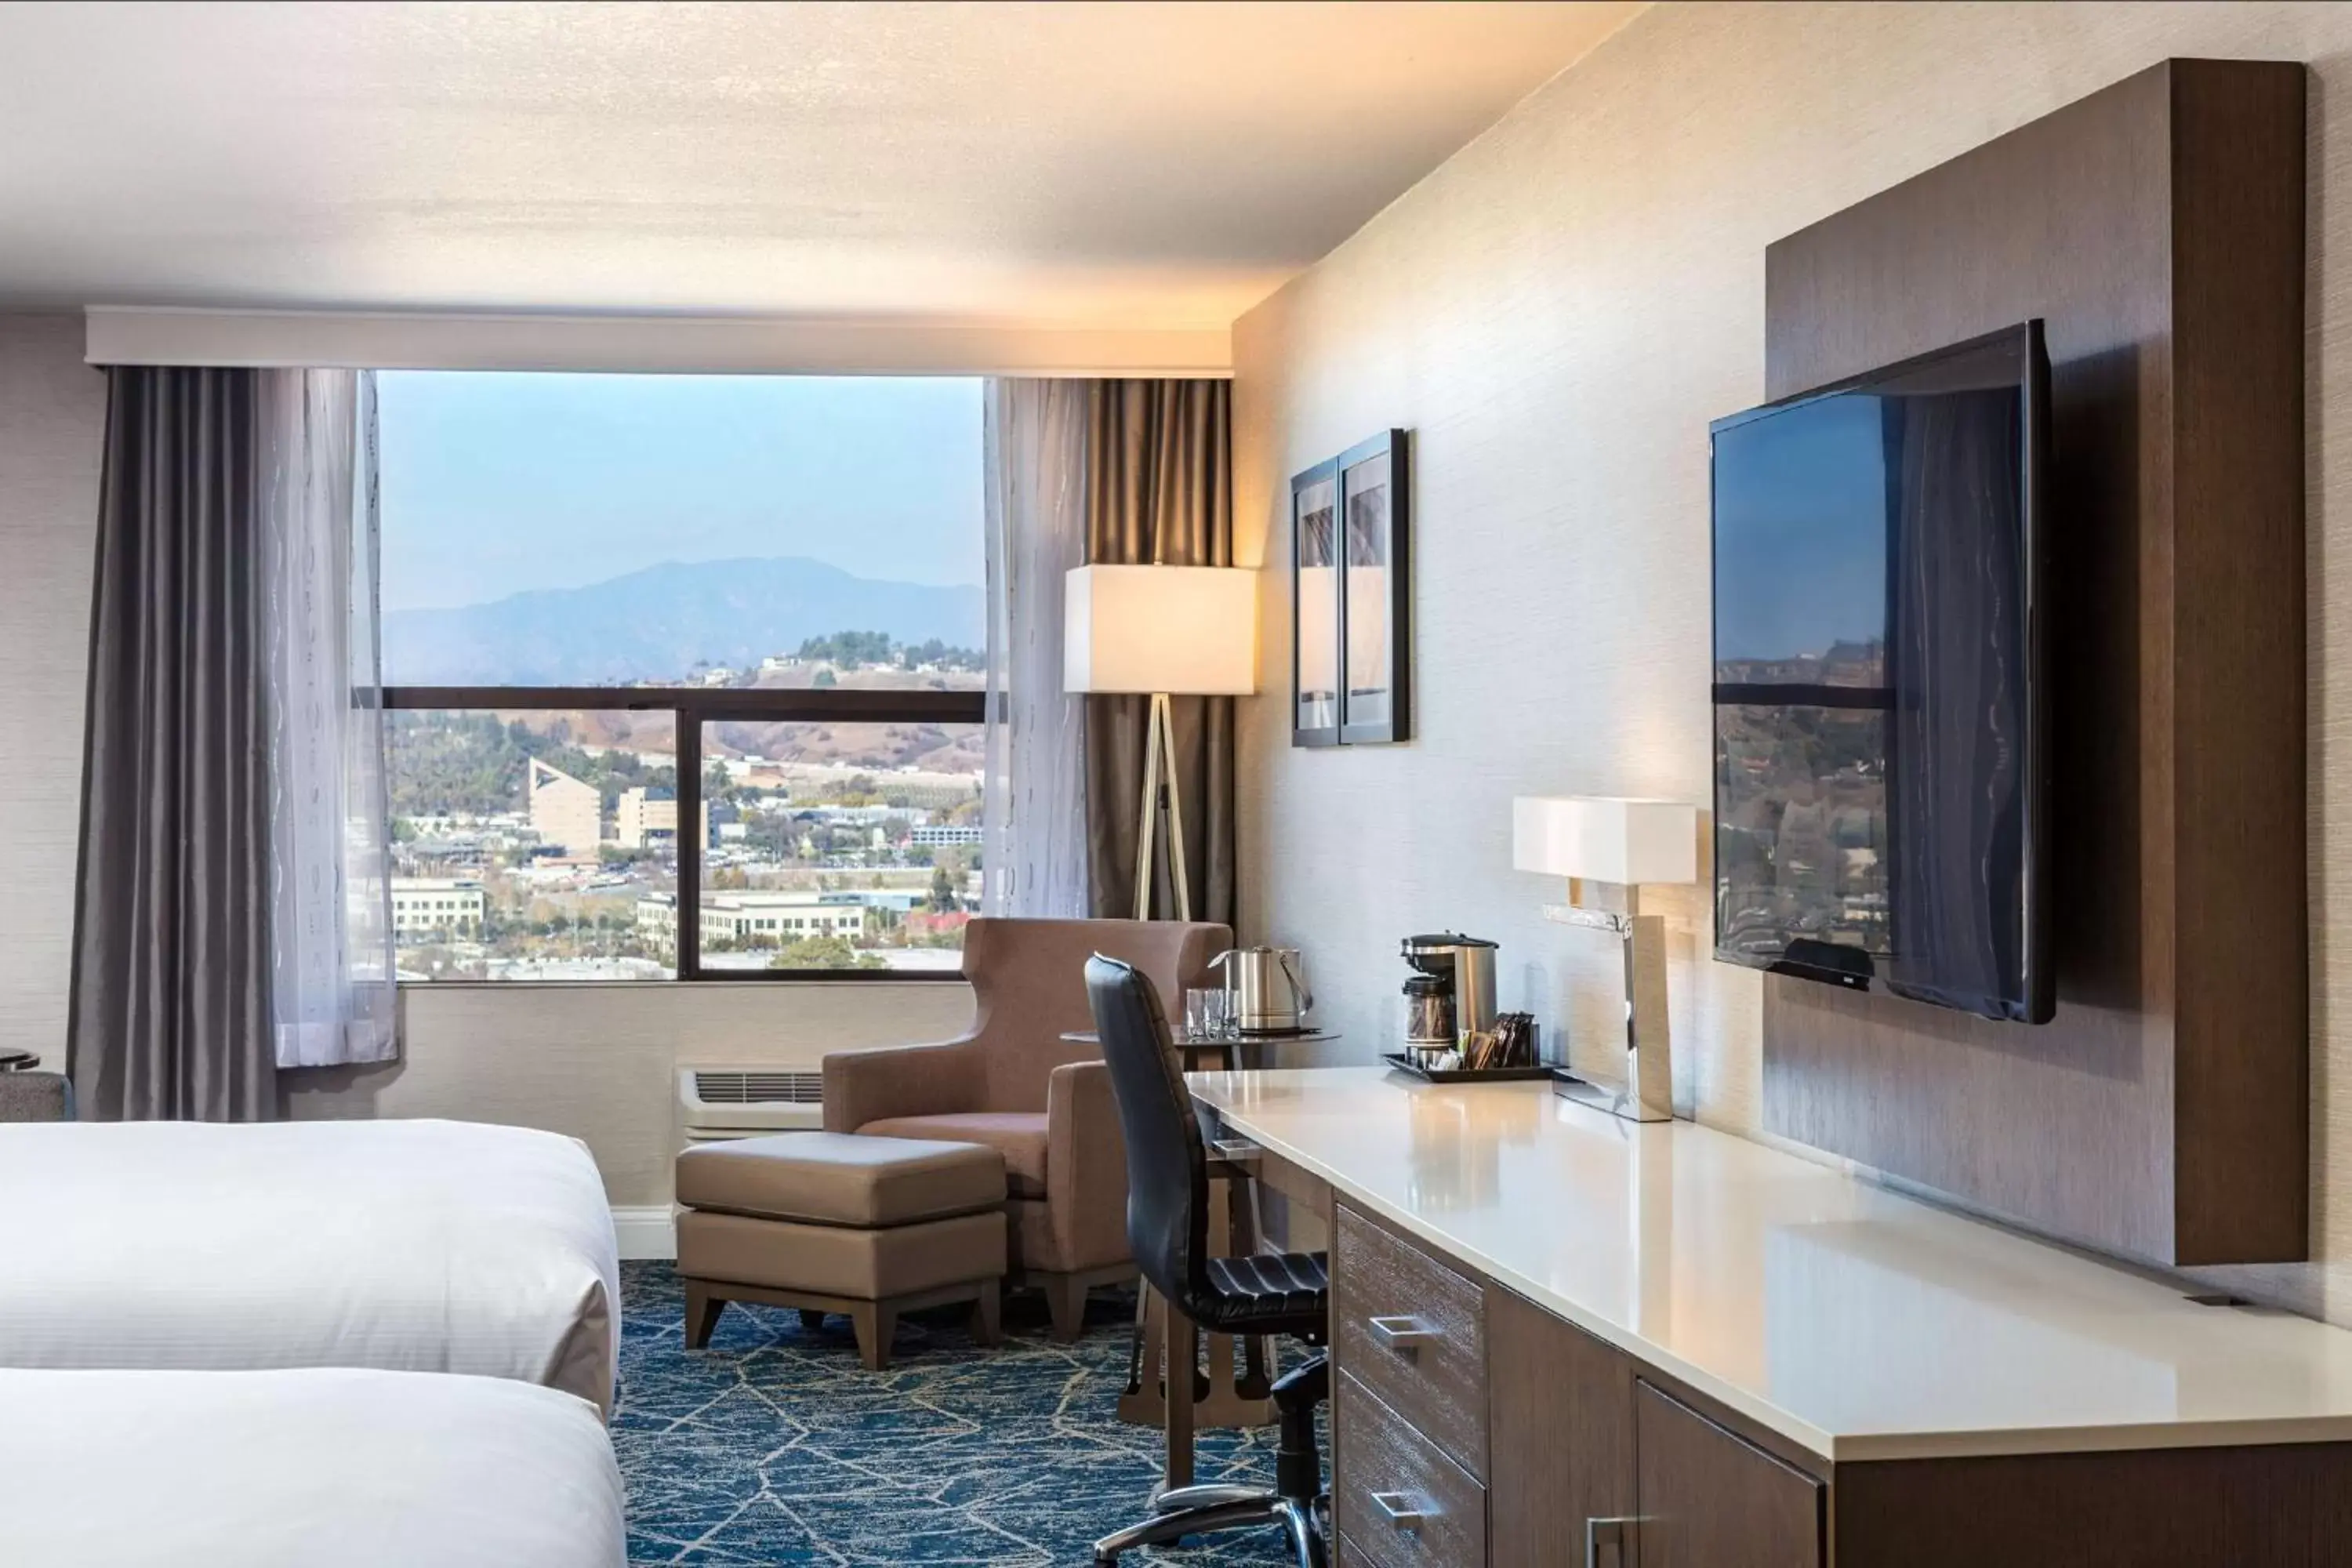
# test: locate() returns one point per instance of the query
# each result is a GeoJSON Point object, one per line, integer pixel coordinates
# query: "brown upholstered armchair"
{"type": "Point", "coordinates": [1012, 1083]}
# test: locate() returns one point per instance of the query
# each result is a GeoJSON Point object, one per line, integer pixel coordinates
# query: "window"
{"type": "Point", "coordinates": [685, 674]}
{"type": "Point", "coordinates": [817, 855]}
{"type": "Point", "coordinates": [524, 819]}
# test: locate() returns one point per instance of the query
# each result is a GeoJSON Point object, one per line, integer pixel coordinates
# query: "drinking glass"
{"type": "Point", "coordinates": [1205, 1014]}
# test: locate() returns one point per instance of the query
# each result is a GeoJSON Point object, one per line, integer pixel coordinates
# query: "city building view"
{"type": "Point", "coordinates": [525, 850]}
{"type": "Point", "coordinates": [664, 535]}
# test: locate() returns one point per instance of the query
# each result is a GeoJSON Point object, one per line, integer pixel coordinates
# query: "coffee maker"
{"type": "Point", "coordinates": [1452, 991]}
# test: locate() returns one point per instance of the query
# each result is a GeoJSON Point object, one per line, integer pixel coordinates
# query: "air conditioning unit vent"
{"type": "Point", "coordinates": [735, 1103]}
{"type": "Point", "coordinates": [746, 1088]}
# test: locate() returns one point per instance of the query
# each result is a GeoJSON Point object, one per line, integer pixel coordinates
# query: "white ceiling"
{"type": "Point", "coordinates": [1129, 164]}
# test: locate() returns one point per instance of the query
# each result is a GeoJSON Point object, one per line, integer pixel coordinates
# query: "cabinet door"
{"type": "Point", "coordinates": [1708, 1500]}
{"type": "Point", "coordinates": [1559, 1438]}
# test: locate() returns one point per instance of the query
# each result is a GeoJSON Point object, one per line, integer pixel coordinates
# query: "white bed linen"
{"type": "Point", "coordinates": [302, 1470]}
{"type": "Point", "coordinates": [405, 1246]}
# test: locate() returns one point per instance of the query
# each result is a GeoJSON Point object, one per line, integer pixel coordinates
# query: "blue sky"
{"type": "Point", "coordinates": [495, 483]}
{"type": "Point", "coordinates": [1800, 531]}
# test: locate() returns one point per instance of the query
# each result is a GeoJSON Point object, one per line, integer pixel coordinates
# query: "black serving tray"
{"type": "Point", "coordinates": [1405, 1064]}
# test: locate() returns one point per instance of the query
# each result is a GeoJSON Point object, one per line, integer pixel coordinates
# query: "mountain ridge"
{"type": "Point", "coordinates": [658, 622]}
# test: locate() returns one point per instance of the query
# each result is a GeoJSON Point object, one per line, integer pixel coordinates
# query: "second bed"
{"type": "Point", "coordinates": [401, 1246]}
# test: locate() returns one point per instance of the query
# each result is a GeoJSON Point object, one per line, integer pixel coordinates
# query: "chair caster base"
{"type": "Point", "coordinates": [1179, 1498]}
{"type": "Point", "coordinates": [1301, 1518]}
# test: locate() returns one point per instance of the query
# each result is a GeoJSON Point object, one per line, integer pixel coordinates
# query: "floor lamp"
{"type": "Point", "coordinates": [1161, 632]}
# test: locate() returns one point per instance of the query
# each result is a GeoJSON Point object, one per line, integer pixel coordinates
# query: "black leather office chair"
{"type": "Point", "coordinates": [1167, 1230]}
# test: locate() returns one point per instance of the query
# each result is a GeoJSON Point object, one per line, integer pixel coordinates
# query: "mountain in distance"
{"type": "Point", "coordinates": [657, 624]}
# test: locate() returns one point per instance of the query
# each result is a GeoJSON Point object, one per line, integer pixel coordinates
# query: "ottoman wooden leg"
{"type": "Point", "coordinates": [985, 1314]}
{"type": "Point", "coordinates": [702, 1310]}
{"type": "Point", "coordinates": [875, 1322]}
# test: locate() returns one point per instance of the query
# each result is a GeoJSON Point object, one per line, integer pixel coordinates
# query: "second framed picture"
{"type": "Point", "coordinates": [1315, 606]}
{"type": "Point", "coordinates": [1351, 598]}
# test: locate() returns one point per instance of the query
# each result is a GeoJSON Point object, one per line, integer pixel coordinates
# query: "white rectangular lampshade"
{"type": "Point", "coordinates": [1601, 838]}
{"type": "Point", "coordinates": [1185, 630]}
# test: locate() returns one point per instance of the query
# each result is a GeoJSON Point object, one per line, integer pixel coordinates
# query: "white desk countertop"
{"type": "Point", "coordinates": [1858, 1322]}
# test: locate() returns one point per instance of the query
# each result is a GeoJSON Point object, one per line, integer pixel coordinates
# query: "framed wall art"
{"type": "Point", "coordinates": [1376, 694]}
{"type": "Point", "coordinates": [1315, 606]}
{"type": "Point", "coordinates": [1351, 597]}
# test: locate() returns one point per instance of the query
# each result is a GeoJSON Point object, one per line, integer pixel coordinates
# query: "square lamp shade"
{"type": "Point", "coordinates": [1600, 839]}
{"type": "Point", "coordinates": [1188, 631]}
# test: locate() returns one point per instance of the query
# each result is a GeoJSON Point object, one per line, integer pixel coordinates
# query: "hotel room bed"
{"type": "Point", "coordinates": [401, 1245]}
{"type": "Point", "coordinates": [292, 1469]}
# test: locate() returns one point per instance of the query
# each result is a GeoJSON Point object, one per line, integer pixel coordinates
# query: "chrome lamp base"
{"type": "Point", "coordinates": [1615, 1100]}
{"type": "Point", "coordinates": [1646, 1093]}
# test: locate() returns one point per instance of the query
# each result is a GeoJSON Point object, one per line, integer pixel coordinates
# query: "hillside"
{"type": "Point", "coordinates": [473, 763]}
{"type": "Point", "coordinates": [658, 624]}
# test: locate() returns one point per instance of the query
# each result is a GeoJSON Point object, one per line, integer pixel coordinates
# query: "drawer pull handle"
{"type": "Point", "coordinates": [1402, 1335]}
{"type": "Point", "coordinates": [1403, 1514]}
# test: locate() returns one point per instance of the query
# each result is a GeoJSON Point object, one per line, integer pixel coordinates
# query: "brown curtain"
{"type": "Point", "coordinates": [170, 1012]}
{"type": "Point", "coordinates": [1160, 493]}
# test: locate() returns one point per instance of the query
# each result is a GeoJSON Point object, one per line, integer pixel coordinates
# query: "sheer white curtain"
{"type": "Point", "coordinates": [331, 979]}
{"type": "Point", "coordinates": [1034, 850]}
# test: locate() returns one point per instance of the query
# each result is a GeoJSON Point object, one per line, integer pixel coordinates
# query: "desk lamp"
{"type": "Point", "coordinates": [1608, 847]}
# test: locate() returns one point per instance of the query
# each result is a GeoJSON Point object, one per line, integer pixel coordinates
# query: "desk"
{"type": "Point", "coordinates": [1616, 1332]}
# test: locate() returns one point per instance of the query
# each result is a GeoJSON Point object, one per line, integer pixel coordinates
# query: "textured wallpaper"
{"type": "Point", "coordinates": [1558, 312]}
{"type": "Point", "coordinates": [52, 423]}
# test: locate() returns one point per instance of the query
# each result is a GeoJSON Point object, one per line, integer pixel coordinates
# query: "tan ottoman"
{"type": "Point", "coordinates": [836, 1222]}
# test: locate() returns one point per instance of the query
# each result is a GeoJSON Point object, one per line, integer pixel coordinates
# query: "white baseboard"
{"type": "Point", "coordinates": [645, 1232]}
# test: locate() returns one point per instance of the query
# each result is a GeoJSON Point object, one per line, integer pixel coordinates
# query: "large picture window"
{"type": "Point", "coordinates": [685, 674]}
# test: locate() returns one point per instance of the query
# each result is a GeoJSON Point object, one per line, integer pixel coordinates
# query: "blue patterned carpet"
{"type": "Point", "coordinates": [775, 1446]}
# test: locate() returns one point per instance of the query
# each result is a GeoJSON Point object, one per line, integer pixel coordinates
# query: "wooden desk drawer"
{"type": "Point", "coordinates": [1399, 1501]}
{"type": "Point", "coordinates": [1412, 1331]}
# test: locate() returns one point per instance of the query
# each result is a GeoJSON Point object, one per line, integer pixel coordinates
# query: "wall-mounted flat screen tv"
{"type": "Point", "coordinates": [1880, 818]}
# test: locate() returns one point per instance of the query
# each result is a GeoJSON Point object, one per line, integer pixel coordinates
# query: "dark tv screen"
{"type": "Point", "coordinates": [1878, 761]}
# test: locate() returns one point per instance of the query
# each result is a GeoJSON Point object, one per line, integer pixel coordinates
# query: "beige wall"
{"type": "Point", "coordinates": [599, 1062]}
{"type": "Point", "coordinates": [1558, 312]}
{"type": "Point", "coordinates": [52, 424]}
